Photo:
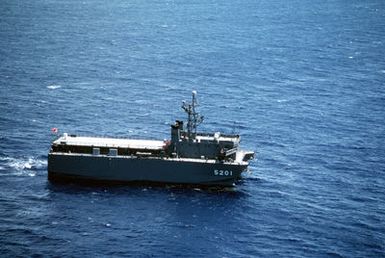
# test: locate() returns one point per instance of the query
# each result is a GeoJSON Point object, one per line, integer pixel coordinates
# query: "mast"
{"type": "Point", "coordinates": [193, 117]}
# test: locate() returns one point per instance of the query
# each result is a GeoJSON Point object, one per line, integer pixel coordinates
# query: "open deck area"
{"type": "Point", "coordinates": [109, 142]}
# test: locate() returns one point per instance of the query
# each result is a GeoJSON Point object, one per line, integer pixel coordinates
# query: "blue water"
{"type": "Point", "coordinates": [303, 82]}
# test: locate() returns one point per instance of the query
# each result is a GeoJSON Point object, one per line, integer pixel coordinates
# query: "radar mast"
{"type": "Point", "coordinates": [193, 117]}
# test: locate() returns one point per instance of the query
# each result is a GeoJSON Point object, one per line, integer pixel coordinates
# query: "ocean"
{"type": "Point", "coordinates": [302, 82]}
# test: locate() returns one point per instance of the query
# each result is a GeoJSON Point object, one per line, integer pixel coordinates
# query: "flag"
{"type": "Point", "coordinates": [54, 130]}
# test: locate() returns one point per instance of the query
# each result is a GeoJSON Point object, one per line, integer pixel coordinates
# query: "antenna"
{"type": "Point", "coordinates": [193, 117]}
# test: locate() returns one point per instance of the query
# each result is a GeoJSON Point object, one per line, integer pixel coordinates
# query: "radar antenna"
{"type": "Point", "coordinates": [193, 117]}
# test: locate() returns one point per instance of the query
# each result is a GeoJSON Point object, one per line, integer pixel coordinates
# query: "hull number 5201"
{"type": "Point", "coordinates": [218, 172]}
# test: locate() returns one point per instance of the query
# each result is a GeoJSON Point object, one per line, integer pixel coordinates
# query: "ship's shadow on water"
{"type": "Point", "coordinates": [137, 187]}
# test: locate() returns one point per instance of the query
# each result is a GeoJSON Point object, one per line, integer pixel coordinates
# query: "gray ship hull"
{"type": "Point", "coordinates": [128, 169]}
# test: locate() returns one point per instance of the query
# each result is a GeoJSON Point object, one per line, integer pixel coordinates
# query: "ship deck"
{"type": "Point", "coordinates": [110, 142]}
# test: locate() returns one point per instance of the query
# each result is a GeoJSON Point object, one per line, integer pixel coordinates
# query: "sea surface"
{"type": "Point", "coordinates": [303, 82]}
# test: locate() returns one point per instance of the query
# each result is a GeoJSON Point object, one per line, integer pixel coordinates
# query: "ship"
{"type": "Point", "coordinates": [187, 158]}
